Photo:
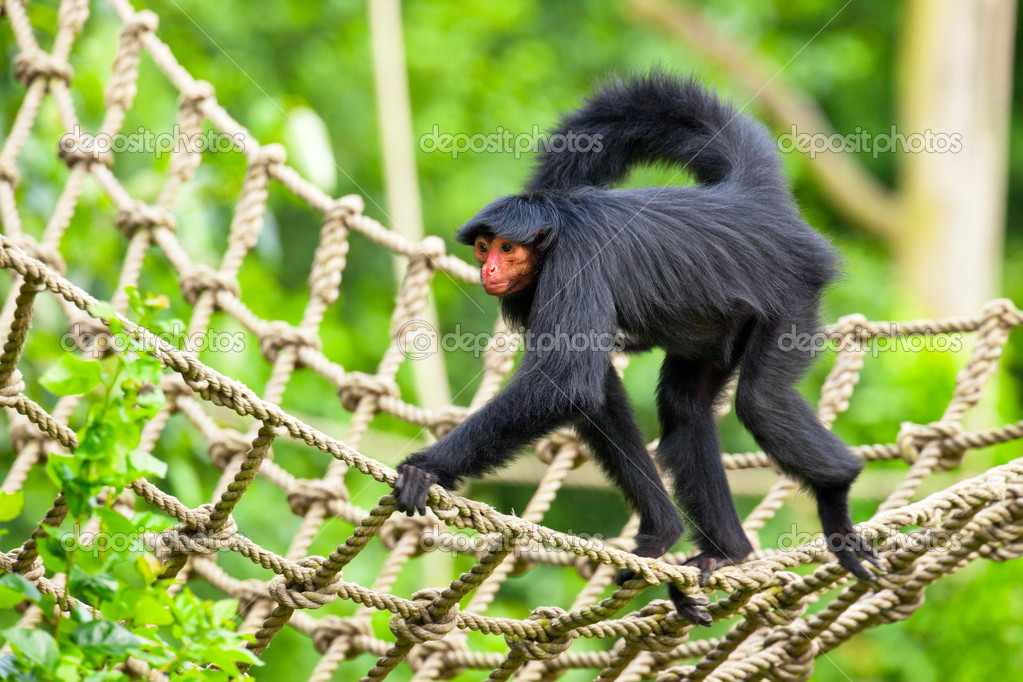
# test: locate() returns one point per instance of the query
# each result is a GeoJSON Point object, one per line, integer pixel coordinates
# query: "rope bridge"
{"type": "Point", "coordinates": [771, 636]}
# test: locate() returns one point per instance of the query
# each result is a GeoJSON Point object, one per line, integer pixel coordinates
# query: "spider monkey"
{"type": "Point", "coordinates": [712, 273]}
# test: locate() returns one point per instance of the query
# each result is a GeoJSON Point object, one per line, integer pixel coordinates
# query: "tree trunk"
{"type": "Point", "coordinates": [954, 83]}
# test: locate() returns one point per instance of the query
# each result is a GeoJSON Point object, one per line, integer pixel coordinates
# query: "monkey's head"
{"type": "Point", "coordinates": [505, 267]}
{"type": "Point", "coordinates": [509, 239]}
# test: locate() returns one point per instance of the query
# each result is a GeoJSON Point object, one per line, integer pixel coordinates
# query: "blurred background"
{"type": "Point", "coordinates": [899, 129]}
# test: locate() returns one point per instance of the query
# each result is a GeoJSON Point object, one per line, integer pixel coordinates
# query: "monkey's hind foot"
{"type": "Point", "coordinates": [852, 549]}
{"type": "Point", "coordinates": [411, 489]}
{"type": "Point", "coordinates": [692, 609]}
{"type": "Point", "coordinates": [689, 608]}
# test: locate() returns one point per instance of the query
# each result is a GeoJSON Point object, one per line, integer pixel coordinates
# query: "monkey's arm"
{"type": "Point", "coordinates": [532, 405]}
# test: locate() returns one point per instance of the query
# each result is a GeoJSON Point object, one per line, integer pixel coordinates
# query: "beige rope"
{"type": "Point", "coordinates": [771, 636]}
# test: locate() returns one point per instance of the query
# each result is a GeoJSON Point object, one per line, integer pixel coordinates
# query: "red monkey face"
{"type": "Point", "coordinates": [504, 267]}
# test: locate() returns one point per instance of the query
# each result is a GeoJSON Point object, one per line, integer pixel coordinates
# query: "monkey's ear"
{"type": "Point", "coordinates": [543, 239]}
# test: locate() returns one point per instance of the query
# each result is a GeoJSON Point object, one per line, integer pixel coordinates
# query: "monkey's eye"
{"type": "Point", "coordinates": [482, 248]}
{"type": "Point", "coordinates": [506, 248]}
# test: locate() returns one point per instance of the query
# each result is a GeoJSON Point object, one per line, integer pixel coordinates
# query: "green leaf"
{"type": "Point", "coordinates": [106, 638]}
{"type": "Point", "coordinates": [102, 309]}
{"type": "Point", "coordinates": [68, 672]}
{"type": "Point", "coordinates": [11, 505]}
{"type": "Point", "coordinates": [224, 611]}
{"type": "Point", "coordinates": [152, 611]}
{"type": "Point", "coordinates": [147, 465]}
{"type": "Point", "coordinates": [16, 588]}
{"type": "Point", "coordinates": [72, 376]}
{"type": "Point", "coordinates": [35, 646]}
{"type": "Point", "coordinates": [103, 586]}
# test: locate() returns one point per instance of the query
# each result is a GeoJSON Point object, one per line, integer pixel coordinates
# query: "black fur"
{"type": "Point", "coordinates": [712, 273]}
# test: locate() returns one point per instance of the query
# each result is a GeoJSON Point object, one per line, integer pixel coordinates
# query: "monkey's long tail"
{"type": "Point", "coordinates": [658, 118]}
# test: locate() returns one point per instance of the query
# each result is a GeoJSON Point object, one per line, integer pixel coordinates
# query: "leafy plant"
{"type": "Point", "coordinates": [133, 614]}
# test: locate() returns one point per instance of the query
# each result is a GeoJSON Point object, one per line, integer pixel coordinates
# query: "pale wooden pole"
{"type": "Point", "coordinates": [401, 184]}
{"type": "Point", "coordinates": [955, 74]}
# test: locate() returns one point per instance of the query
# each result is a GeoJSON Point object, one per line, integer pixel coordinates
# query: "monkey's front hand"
{"type": "Point", "coordinates": [411, 489]}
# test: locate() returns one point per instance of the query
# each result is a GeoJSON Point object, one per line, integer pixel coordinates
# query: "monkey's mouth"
{"type": "Point", "coordinates": [496, 288]}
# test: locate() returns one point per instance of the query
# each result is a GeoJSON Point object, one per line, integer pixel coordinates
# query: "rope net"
{"type": "Point", "coordinates": [771, 636]}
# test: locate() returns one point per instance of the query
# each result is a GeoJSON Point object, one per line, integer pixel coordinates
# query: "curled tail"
{"type": "Point", "coordinates": [658, 118]}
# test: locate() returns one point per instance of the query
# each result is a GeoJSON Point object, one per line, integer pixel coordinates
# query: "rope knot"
{"type": "Point", "coordinates": [331, 628]}
{"type": "Point", "coordinates": [9, 173]}
{"type": "Point", "coordinates": [202, 278]}
{"type": "Point", "coordinates": [431, 248]}
{"type": "Point", "coordinates": [307, 491]}
{"type": "Point", "coordinates": [12, 388]}
{"type": "Point", "coordinates": [34, 64]}
{"type": "Point", "coordinates": [48, 256]}
{"type": "Point", "coordinates": [355, 386]}
{"type": "Point", "coordinates": [1004, 309]}
{"type": "Point", "coordinates": [144, 21]}
{"type": "Point", "coordinates": [558, 443]}
{"type": "Point", "coordinates": [304, 595]}
{"type": "Point", "coordinates": [92, 337]}
{"type": "Point", "coordinates": [541, 648]}
{"type": "Point", "coordinates": [447, 418]}
{"type": "Point", "coordinates": [847, 331]}
{"type": "Point", "coordinates": [269, 155]}
{"type": "Point", "coordinates": [395, 528]}
{"type": "Point", "coordinates": [798, 651]}
{"type": "Point", "coordinates": [33, 571]}
{"type": "Point", "coordinates": [75, 149]}
{"type": "Point", "coordinates": [657, 627]}
{"type": "Point", "coordinates": [279, 334]}
{"type": "Point", "coordinates": [194, 536]}
{"type": "Point", "coordinates": [196, 94]}
{"type": "Point", "coordinates": [345, 207]}
{"type": "Point", "coordinates": [142, 216]}
{"type": "Point", "coordinates": [913, 438]}
{"type": "Point", "coordinates": [228, 445]}
{"type": "Point", "coordinates": [431, 627]}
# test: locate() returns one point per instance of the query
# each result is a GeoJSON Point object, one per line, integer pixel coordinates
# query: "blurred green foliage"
{"type": "Point", "coordinates": [300, 74]}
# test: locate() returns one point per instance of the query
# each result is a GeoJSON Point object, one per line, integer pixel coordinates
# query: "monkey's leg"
{"type": "Point", "coordinates": [788, 430]}
{"type": "Point", "coordinates": [690, 452]}
{"type": "Point", "coordinates": [618, 447]}
{"type": "Point", "coordinates": [689, 449]}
